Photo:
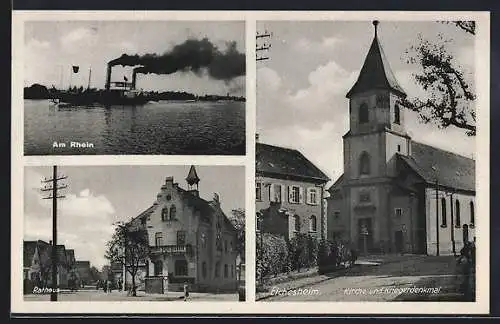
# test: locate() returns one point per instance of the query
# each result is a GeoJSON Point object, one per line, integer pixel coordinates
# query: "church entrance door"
{"type": "Point", "coordinates": [399, 240]}
{"type": "Point", "coordinates": [365, 235]}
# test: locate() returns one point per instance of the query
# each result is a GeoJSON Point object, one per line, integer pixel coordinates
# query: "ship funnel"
{"type": "Point", "coordinates": [134, 79]}
{"type": "Point", "coordinates": [108, 77]}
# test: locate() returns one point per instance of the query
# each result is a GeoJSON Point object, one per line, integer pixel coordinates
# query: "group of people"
{"type": "Point", "coordinates": [108, 285]}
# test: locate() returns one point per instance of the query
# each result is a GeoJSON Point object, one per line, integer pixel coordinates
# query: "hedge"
{"type": "Point", "coordinates": [277, 256]}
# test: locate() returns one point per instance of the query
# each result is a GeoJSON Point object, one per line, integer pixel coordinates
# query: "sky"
{"type": "Point", "coordinates": [301, 88]}
{"type": "Point", "coordinates": [98, 196]}
{"type": "Point", "coordinates": [53, 47]}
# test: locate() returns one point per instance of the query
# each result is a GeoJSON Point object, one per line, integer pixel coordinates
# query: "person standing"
{"type": "Point", "coordinates": [186, 291]}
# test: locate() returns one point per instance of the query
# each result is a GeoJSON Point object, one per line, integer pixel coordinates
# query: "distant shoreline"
{"type": "Point", "coordinates": [41, 92]}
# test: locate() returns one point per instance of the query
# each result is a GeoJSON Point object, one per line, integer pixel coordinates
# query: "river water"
{"type": "Point", "coordinates": [165, 127]}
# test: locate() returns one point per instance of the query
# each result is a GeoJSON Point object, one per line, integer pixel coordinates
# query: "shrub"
{"type": "Point", "coordinates": [272, 256]}
{"type": "Point", "coordinates": [302, 250]}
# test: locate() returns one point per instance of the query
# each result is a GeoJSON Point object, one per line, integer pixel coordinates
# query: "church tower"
{"type": "Point", "coordinates": [192, 180]}
{"type": "Point", "coordinates": [377, 133]}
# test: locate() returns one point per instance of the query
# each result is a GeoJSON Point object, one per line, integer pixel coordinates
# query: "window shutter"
{"type": "Point", "coordinates": [318, 196]}
{"type": "Point", "coordinates": [308, 196]}
{"type": "Point", "coordinates": [272, 196]}
{"type": "Point", "coordinates": [301, 195]}
{"type": "Point", "coordinates": [283, 193]}
{"type": "Point", "coordinates": [290, 194]}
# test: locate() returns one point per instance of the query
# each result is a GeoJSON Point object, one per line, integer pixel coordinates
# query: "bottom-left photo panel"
{"type": "Point", "coordinates": [134, 233]}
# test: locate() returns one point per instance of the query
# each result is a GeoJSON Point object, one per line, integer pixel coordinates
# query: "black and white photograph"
{"type": "Point", "coordinates": [366, 160]}
{"type": "Point", "coordinates": [115, 87]}
{"type": "Point", "coordinates": [134, 233]}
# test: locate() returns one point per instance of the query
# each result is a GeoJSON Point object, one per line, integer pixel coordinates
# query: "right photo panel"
{"type": "Point", "coordinates": [365, 161]}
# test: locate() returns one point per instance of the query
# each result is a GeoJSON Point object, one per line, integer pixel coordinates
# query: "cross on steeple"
{"type": "Point", "coordinates": [375, 24]}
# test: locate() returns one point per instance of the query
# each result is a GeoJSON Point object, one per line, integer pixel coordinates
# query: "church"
{"type": "Point", "coordinates": [396, 195]}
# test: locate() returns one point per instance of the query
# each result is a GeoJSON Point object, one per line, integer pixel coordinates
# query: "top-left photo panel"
{"type": "Point", "coordinates": [134, 87]}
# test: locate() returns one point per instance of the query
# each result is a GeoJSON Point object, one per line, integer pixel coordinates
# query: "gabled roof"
{"type": "Point", "coordinates": [337, 184]}
{"type": "Point", "coordinates": [29, 248]}
{"type": "Point", "coordinates": [452, 170]}
{"type": "Point", "coordinates": [286, 161]}
{"type": "Point", "coordinates": [205, 207]}
{"type": "Point", "coordinates": [376, 72]}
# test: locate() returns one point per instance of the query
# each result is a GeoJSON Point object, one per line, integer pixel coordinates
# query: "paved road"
{"type": "Point", "coordinates": [94, 295]}
{"type": "Point", "coordinates": [385, 282]}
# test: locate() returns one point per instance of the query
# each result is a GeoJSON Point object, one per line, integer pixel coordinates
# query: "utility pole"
{"type": "Point", "coordinates": [263, 47]}
{"type": "Point", "coordinates": [452, 225]}
{"type": "Point", "coordinates": [437, 217]}
{"type": "Point", "coordinates": [437, 209]}
{"type": "Point", "coordinates": [54, 187]}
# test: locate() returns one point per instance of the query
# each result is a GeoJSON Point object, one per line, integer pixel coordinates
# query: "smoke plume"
{"type": "Point", "coordinates": [197, 56]}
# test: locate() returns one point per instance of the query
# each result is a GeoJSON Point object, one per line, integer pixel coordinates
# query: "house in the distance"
{"type": "Point", "coordinates": [289, 193]}
{"type": "Point", "coordinates": [83, 271]}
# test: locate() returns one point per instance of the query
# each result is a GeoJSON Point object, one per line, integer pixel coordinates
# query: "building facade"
{"type": "Point", "coordinates": [37, 259]}
{"type": "Point", "coordinates": [289, 193]}
{"type": "Point", "coordinates": [397, 195]}
{"type": "Point", "coordinates": [191, 240]}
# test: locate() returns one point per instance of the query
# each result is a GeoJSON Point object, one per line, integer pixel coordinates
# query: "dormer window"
{"type": "Point", "coordinates": [363, 113]}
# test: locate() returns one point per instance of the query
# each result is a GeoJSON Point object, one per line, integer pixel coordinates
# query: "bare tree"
{"type": "Point", "coordinates": [450, 96]}
{"type": "Point", "coordinates": [129, 247]}
{"type": "Point", "coordinates": [238, 221]}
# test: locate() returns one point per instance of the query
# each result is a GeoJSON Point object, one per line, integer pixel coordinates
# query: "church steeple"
{"type": "Point", "coordinates": [376, 74]}
{"type": "Point", "coordinates": [192, 178]}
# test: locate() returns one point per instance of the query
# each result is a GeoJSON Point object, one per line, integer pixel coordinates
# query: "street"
{"type": "Point", "coordinates": [99, 295]}
{"type": "Point", "coordinates": [414, 278]}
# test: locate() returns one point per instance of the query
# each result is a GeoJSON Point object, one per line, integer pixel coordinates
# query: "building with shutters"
{"type": "Point", "coordinates": [289, 192]}
{"type": "Point", "coordinates": [191, 240]}
{"type": "Point", "coordinates": [397, 195]}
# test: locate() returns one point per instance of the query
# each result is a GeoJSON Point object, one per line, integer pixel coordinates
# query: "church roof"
{"type": "Point", "coordinates": [287, 162]}
{"type": "Point", "coordinates": [205, 207]}
{"type": "Point", "coordinates": [452, 170]}
{"type": "Point", "coordinates": [376, 72]}
{"type": "Point", "coordinates": [192, 177]}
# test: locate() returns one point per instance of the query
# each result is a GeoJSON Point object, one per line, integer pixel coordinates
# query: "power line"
{"type": "Point", "coordinates": [263, 47]}
{"type": "Point", "coordinates": [52, 185]}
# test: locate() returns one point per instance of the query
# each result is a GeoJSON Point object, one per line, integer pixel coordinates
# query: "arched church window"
{"type": "Point", "coordinates": [457, 213]}
{"type": "Point", "coordinates": [363, 113]}
{"type": "Point", "coordinates": [443, 212]}
{"type": "Point", "coordinates": [472, 216]}
{"type": "Point", "coordinates": [364, 164]}
{"type": "Point", "coordinates": [397, 114]}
